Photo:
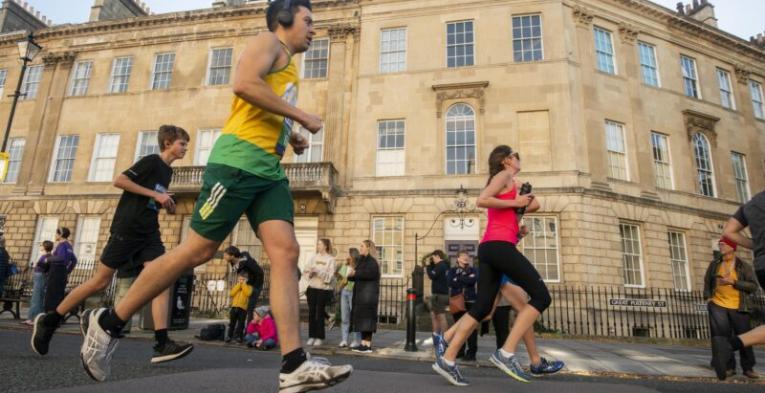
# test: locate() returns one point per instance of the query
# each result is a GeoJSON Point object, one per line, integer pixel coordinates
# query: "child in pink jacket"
{"type": "Point", "coordinates": [261, 332]}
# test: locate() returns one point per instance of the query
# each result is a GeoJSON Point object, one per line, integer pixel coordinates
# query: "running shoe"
{"type": "Point", "coordinates": [510, 366]}
{"type": "Point", "coordinates": [170, 351]}
{"type": "Point", "coordinates": [98, 347]}
{"type": "Point", "coordinates": [544, 367]}
{"type": "Point", "coordinates": [41, 335]}
{"type": "Point", "coordinates": [451, 373]}
{"type": "Point", "coordinates": [314, 374]}
{"type": "Point", "coordinates": [362, 349]}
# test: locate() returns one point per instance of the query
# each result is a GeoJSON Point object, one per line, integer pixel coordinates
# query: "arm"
{"type": "Point", "coordinates": [431, 270]}
{"type": "Point", "coordinates": [329, 272]}
{"type": "Point", "coordinates": [488, 199]}
{"type": "Point", "coordinates": [747, 282]}
{"type": "Point", "coordinates": [708, 277]}
{"type": "Point", "coordinates": [733, 230]}
{"type": "Point", "coordinates": [454, 278]}
{"type": "Point", "coordinates": [72, 261]}
{"type": "Point", "coordinates": [369, 271]}
{"type": "Point", "coordinates": [126, 181]}
{"type": "Point", "coordinates": [257, 60]}
{"type": "Point", "coordinates": [247, 290]}
{"type": "Point", "coordinates": [534, 206]}
{"type": "Point", "coordinates": [235, 289]}
{"type": "Point", "coordinates": [469, 279]}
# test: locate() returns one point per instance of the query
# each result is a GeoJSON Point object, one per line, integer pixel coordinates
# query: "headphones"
{"type": "Point", "coordinates": [284, 16]}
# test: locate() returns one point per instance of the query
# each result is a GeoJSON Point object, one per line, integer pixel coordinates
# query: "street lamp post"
{"type": "Point", "coordinates": [28, 50]}
{"type": "Point", "coordinates": [461, 208]}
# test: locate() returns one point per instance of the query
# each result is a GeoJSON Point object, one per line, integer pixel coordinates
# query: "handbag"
{"type": "Point", "coordinates": [457, 303]}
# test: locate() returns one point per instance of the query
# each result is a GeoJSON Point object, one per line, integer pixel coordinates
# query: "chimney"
{"type": "Point", "coordinates": [700, 10]}
{"type": "Point", "coordinates": [759, 40]}
{"type": "Point", "coordinates": [17, 15]}
{"type": "Point", "coordinates": [117, 9]}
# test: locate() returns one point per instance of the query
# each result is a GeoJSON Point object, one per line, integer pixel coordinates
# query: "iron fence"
{"type": "Point", "coordinates": [636, 312]}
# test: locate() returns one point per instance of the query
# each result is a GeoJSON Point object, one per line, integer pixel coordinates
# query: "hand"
{"type": "Point", "coordinates": [241, 280]}
{"type": "Point", "coordinates": [166, 200]}
{"type": "Point", "coordinates": [299, 143]}
{"type": "Point", "coordinates": [524, 230]}
{"type": "Point", "coordinates": [721, 281]}
{"type": "Point", "coordinates": [312, 123]}
{"type": "Point", "coordinates": [258, 343]}
{"type": "Point", "coordinates": [524, 200]}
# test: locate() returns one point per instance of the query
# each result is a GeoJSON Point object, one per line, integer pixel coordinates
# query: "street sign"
{"type": "Point", "coordinates": [638, 303]}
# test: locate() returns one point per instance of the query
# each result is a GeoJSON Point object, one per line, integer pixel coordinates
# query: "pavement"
{"type": "Point", "coordinates": [608, 357]}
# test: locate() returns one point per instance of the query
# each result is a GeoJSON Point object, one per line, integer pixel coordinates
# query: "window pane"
{"type": "Point", "coordinates": [315, 60]}
{"type": "Point", "coordinates": [220, 66]}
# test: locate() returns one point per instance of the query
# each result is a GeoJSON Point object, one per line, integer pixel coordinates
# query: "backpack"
{"type": "Point", "coordinates": [212, 332]}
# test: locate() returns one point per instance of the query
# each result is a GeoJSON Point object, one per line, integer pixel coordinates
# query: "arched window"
{"type": "Point", "coordinates": [704, 170]}
{"type": "Point", "coordinates": [460, 139]}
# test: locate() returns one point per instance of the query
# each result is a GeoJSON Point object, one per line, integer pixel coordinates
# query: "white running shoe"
{"type": "Point", "coordinates": [313, 374]}
{"type": "Point", "coordinates": [310, 342]}
{"type": "Point", "coordinates": [317, 342]}
{"type": "Point", "coordinates": [98, 346]}
{"type": "Point", "coordinates": [343, 344]}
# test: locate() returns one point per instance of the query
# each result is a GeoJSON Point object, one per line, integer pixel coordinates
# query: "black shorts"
{"type": "Point", "coordinates": [121, 251]}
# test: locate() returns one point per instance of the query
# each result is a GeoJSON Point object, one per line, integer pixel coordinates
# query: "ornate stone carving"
{"type": "Point", "coordinates": [701, 122]}
{"type": "Point", "coordinates": [455, 91]}
{"type": "Point", "coordinates": [628, 33]}
{"type": "Point", "coordinates": [742, 74]}
{"type": "Point", "coordinates": [339, 32]}
{"type": "Point", "coordinates": [64, 58]}
{"type": "Point", "coordinates": [583, 16]}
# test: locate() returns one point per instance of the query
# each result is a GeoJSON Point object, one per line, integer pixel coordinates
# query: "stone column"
{"type": "Point", "coordinates": [755, 157]}
{"type": "Point", "coordinates": [338, 88]}
{"type": "Point", "coordinates": [43, 126]}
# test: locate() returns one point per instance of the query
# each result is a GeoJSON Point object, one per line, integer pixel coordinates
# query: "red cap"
{"type": "Point", "coordinates": [729, 242]}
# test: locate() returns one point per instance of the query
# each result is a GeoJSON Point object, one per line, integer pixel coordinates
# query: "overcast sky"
{"type": "Point", "coordinates": [743, 18]}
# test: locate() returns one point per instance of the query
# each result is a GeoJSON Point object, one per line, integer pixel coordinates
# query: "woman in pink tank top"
{"type": "Point", "coordinates": [497, 255]}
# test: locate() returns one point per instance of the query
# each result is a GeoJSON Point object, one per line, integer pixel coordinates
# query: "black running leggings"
{"type": "Point", "coordinates": [497, 258]}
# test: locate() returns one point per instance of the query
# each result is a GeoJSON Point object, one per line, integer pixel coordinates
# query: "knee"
{"type": "Point", "coordinates": [480, 311]}
{"type": "Point", "coordinates": [289, 252]}
{"type": "Point", "coordinates": [541, 301]}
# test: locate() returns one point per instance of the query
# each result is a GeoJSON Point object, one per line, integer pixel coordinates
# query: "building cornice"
{"type": "Point", "coordinates": [143, 22]}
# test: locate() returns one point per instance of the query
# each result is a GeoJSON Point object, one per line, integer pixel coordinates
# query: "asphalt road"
{"type": "Point", "coordinates": [215, 369]}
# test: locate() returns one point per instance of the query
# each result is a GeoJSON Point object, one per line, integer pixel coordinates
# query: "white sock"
{"type": "Point", "coordinates": [505, 353]}
{"type": "Point", "coordinates": [449, 363]}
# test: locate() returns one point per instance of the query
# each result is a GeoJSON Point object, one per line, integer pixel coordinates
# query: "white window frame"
{"type": "Point", "coordinates": [210, 57]}
{"type": "Point", "coordinates": [599, 51]}
{"type": "Point", "coordinates": [465, 44]}
{"type": "Point", "coordinates": [95, 157]}
{"type": "Point", "coordinates": [723, 78]}
{"type": "Point", "coordinates": [389, 59]}
{"type": "Point", "coordinates": [14, 159]}
{"type": "Point", "coordinates": [37, 72]}
{"type": "Point", "coordinates": [3, 80]}
{"type": "Point", "coordinates": [380, 246]}
{"type": "Point", "coordinates": [625, 254]}
{"type": "Point", "coordinates": [458, 118]}
{"type": "Point", "coordinates": [57, 158]}
{"type": "Point", "coordinates": [527, 40]}
{"type": "Point", "coordinates": [84, 262]}
{"type": "Point", "coordinates": [668, 163]}
{"type": "Point", "coordinates": [116, 84]}
{"type": "Point", "coordinates": [198, 149]}
{"type": "Point", "coordinates": [79, 84]}
{"type": "Point", "coordinates": [153, 83]}
{"type": "Point", "coordinates": [652, 67]}
{"type": "Point", "coordinates": [529, 251]}
{"type": "Point", "coordinates": [694, 78]}
{"type": "Point", "coordinates": [39, 236]}
{"type": "Point", "coordinates": [742, 179]}
{"type": "Point", "coordinates": [696, 162]}
{"type": "Point", "coordinates": [614, 154]}
{"type": "Point", "coordinates": [758, 101]}
{"type": "Point", "coordinates": [139, 143]}
{"type": "Point", "coordinates": [683, 244]}
{"type": "Point", "coordinates": [394, 168]}
{"type": "Point", "coordinates": [312, 50]}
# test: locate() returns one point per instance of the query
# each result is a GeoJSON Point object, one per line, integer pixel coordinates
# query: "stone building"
{"type": "Point", "coordinates": [641, 128]}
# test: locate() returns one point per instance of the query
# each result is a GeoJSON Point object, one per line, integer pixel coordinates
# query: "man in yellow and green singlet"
{"type": "Point", "coordinates": [243, 176]}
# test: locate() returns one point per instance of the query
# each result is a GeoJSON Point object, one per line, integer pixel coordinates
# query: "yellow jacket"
{"type": "Point", "coordinates": [240, 295]}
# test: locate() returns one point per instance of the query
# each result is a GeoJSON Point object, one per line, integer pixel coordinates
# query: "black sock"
{"type": "Point", "coordinates": [161, 337]}
{"type": "Point", "coordinates": [293, 360]}
{"type": "Point", "coordinates": [52, 319]}
{"type": "Point", "coordinates": [736, 343]}
{"type": "Point", "coordinates": [110, 322]}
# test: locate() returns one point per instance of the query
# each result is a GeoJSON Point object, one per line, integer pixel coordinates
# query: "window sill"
{"type": "Point", "coordinates": [622, 181]}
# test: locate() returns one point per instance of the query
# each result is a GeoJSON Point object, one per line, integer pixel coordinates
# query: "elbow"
{"type": "Point", "coordinates": [482, 202]}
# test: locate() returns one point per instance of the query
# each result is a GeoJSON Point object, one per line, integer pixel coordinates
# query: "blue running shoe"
{"type": "Point", "coordinates": [451, 373]}
{"type": "Point", "coordinates": [510, 366]}
{"type": "Point", "coordinates": [544, 367]}
{"type": "Point", "coordinates": [439, 345]}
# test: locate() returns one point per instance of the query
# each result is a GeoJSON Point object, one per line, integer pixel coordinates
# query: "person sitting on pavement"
{"type": "Point", "coordinates": [261, 332]}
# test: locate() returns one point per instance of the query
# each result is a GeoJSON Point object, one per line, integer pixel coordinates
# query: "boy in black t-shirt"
{"type": "Point", "coordinates": [134, 238]}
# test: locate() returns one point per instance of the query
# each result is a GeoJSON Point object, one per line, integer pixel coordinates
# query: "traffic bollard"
{"type": "Point", "coordinates": [411, 321]}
